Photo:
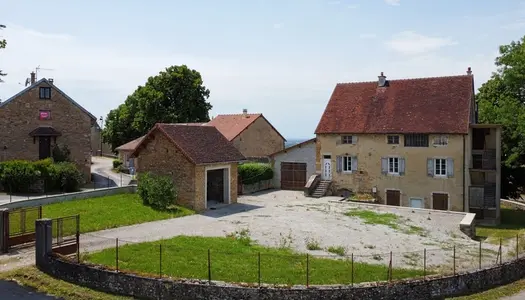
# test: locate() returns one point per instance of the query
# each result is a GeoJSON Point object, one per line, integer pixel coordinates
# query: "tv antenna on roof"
{"type": "Point", "coordinates": [37, 69]}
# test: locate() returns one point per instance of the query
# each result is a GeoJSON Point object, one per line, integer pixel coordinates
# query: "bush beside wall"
{"type": "Point", "coordinates": [157, 191]}
{"type": "Point", "coordinates": [251, 173]}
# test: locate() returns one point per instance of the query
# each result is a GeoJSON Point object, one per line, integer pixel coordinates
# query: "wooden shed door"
{"type": "Point", "coordinates": [293, 176]}
{"type": "Point", "coordinates": [393, 197]}
{"type": "Point", "coordinates": [440, 201]}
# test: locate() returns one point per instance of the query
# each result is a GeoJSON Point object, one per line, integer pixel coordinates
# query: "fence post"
{"type": "Point", "coordinates": [390, 268]}
{"type": "Point", "coordinates": [307, 270]}
{"type": "Point", "coordinates": [10, 193]}
{"type": "Point", "coordinates": [108, 181]}
{"type": "Point", "coordinates": [78, 237]}
{"type": "Point", "coordinates": [209, 266]}
{"type": "Point", "coordinates": [23, 220]}
{"type": "Point", "coordinates": [500, 252]}
{"type": "Point", "coordinates": [480, 254]}
{"type": "Point", "coordinates": [120, 178]}
{"type": "Point", "coordinates": [352, 258]}
{"type": "Point", "coordinates": [259, 267]}
{"type": "Point", "coordinates": [424, 263]}
{"type": "Point", "coordinates": [160, 260]}
{"type": "Point", "coordinates": [40, 212]}
{"type": "Point", "coordinates": [517, 247]}
{"type": "Point", "coordinates": [116, 253]}
{"type": "Point", "coordinates": [454, 260]}
{"type": "Point", "coordinates": [4, 229]}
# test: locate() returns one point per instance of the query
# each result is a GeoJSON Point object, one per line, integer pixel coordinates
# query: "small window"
{"type": "Point", "coordinates": [393, 165]}
{"type": "Point", "coordinates": [416, 140]}
{"type": "Point", "coordinates": [45, 93]}
{"type": "Point", "coordinates": [440, 167]}
{"type": "Point", "coordinates": [44, 115]}
{"type": "Point", "coordinates": [441, 140]}
{"type": "Point", "coordinates": [347, 164]}
{"type": "Point", "coordinates": [393, 139]}
{"type": "Point", "coordinates": [347, 139]}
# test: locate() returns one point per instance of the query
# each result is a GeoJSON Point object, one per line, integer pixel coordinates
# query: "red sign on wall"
{"type": "Point", "coordinates": [45, 115]}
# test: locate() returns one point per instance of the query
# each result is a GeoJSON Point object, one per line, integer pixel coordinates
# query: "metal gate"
{"type": "Point", "coordinates": [66, 235]}
{"type": "Point", "coordinates": [18, 227]}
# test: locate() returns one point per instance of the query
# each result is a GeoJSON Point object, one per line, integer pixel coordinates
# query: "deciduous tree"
{"type": "Point", "coordinates": [3, 44]}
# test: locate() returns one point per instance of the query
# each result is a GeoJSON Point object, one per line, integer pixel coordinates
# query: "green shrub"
{"type": "Point", "coordinates": [61, 153]}
{"type": "Point", "coordinates": [157, 191]}
{"type": "Point", "coordinates": [251, 173]}
{"type": "Point", "coordinates": [18, 175]}
{"type": "Point", "coordinates": [67, 177]}
{"type": "Point", "coordinates": [117, 163]}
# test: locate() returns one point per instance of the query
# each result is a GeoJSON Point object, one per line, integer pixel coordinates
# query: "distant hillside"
{"type": "Point", "coordinates": [291, 142]}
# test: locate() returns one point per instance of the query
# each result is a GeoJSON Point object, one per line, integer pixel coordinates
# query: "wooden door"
{"type": "Point", "coordinates": [44, 147]}
{"type": "Point", "coordinates": [293, 175]}
{"type": "Point", "coordinates": [393, 197]}
{"type": "Point", "coordinates": [439, 201]}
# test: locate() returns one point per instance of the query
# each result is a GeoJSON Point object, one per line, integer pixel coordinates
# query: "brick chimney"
{"type": "Point", "coordinates": [469, 71]}
{"type": "Point", "coordinates": [50, 80]}
{"type": "Point", "coordinates": [33, 77]}
{"type": "Point", "coordinates": [245, 112]}
{"type": "Point", "coordinates": [381, 81]}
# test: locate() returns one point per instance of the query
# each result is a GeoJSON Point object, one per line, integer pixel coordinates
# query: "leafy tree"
{"type": "Point", "coordinates": [3, 44]}
{"type": "Point", "coordinates": [175, 95]}
{"type": "Point", "coordinates": [501, 100]}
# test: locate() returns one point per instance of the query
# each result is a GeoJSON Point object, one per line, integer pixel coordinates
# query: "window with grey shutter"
{"type": "Point", "coordinates": [339, 164]}
{"type": "Point", "coordinates": [401, 166]}
{"type": "Point", "coordinates": [354, 163]}
{"type": "Point", "coordinates": [450, 167]}
{"type": "Point", "coordinates": [430, 167]}
{"type": "Point", "coordinates": [384, 165]}
{"type": "Point", "coordinates": [354, 139]}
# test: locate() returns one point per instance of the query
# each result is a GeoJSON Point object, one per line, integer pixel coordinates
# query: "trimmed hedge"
{"type": "Point", "coordinates": [156, 191]}
{"type": "Point", "coordinates": [20, 176]}
{"type": "Point", "coordinates": [251, 173]}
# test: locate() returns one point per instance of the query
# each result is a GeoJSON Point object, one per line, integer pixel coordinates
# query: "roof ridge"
{"type": "Point", "coordinates": [241, 114]}
{"type": "Point", "coordinates": [409, 79]}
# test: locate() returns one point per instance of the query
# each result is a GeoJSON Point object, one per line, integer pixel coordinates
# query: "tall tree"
{"type": "Point", "coordinates": [3, 44]}
{"type": "Point", "coordinates": [501, 100]}
{"type": "Point", "coordinates": [175, 95]}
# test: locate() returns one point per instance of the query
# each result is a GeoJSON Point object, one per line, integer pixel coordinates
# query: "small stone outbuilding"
{"type": "Point", "coordinates": [294, 165]}
{"type": "Point", "coordinates": [201, 161]}
{"type": "Point", "coordinates": [125, 151]}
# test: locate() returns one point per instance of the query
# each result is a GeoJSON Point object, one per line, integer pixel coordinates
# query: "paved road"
{"type": "Point", "coordinates": [519, 296]}
{"type": "Point", "coordinates": [12, 291]}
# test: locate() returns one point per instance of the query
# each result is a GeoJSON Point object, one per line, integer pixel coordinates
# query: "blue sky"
{"type": "Point", "coordinates": [278, 57]}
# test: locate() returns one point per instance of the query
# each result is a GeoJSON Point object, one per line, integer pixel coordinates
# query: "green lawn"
{"type": "Point", "coordinates": [512, 223]}
{"type": "Point", "coordinates": [236, 260]}
{"type": "Point", "coordinates": [99, 213]}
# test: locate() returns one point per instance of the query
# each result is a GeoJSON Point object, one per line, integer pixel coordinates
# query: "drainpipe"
{"type": "Point", "coordinates": [465, 204]}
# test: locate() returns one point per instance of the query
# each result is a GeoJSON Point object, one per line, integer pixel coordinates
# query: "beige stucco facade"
{"type": "Point", "coordinates": [260, 139]}
{"type": "Point", "coordinates": [160, 156]}
{"type": "Point", "coordinates": [414, 183]}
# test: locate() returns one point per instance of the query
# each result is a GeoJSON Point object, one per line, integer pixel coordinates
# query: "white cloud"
{"type": "Point", "coordinates": [277, 25]}
{"type": "Point", "coordinates": [367, 36]}
{"type": "Point", "coordinates": [410, 43]}
{"type": "Point", "coordinates": [352, 6]}
{"type": "Point", "coordinates": [393, 2]}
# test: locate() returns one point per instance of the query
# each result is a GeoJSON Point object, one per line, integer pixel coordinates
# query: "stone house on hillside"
{"type": "Point", "coordinates": [40, 117]}
{"type": "Point", "coordinates": [411, 142]}
{"type": "Point", "coordinates": [252, 134]}
{"type": "Point", "coordinates": [202, 177]}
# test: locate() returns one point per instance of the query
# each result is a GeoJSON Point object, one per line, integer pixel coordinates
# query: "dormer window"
{"type": "Point", "coordinates": [45, 93]}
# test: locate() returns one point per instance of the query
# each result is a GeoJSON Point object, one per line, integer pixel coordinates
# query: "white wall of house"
{"type": "Point", "coordinates": [300, 154]}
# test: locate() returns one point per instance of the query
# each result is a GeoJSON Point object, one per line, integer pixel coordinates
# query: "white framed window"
{"type": "Point", "coordinates": [347, 139]}
{"type": "Point", "coordinates": [393, 165]}
{"type": "Point", "coordinates": [440, 167]}
{"type": "Point", "coordinates": [347, 164]}
{"type": "Point", "coordinates": [393, 139]}
{"type": "Point", "coordinates": [441, 140]}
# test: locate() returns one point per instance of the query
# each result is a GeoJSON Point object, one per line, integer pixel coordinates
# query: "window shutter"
{"type": "Point", "coordinates": [354, 163]}
{"type": "Point", "coordinates": [339, 164]}
{"type": "Point", "coordinates": [384, 165]}
{"type": "Point", "coordinates": [430, 167]}
{"type": "Point", "coordinates": [339, 141]}
{"type": "Point", "coordinates": [354, 139]}
{"type": "Point", "coordinates": [401, 166]}
{"type": "Point", "coordinates": [450, 167]}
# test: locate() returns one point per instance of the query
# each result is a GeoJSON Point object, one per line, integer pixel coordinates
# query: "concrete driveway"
{"type": "Point", "coordinates": [10, 290]}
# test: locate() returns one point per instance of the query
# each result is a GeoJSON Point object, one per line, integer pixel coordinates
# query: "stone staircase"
{"type": "Point", "coordinates": [321, 188]}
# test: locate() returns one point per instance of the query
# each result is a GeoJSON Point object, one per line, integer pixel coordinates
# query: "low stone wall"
{"type": "Point", "coordinates": [514, 204]}
{"type": "Point", "coordinates": [98, 278]}
{"type": "Point", "coordinates": [44, 200]}
{"type": "Point", "coordinates": [256, 187]}
{"type": "Point", "coordinates": [468, 225]}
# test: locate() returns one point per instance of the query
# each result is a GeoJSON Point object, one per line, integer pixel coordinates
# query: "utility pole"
{"type": "Point", "coordinates": [100, 135]}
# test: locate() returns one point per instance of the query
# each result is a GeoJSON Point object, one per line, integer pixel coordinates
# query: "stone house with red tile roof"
{"type": "Point", "coordinates": [202, 177]}
{"type": "Point", "coordinates": [40, 117]}
{"type": "Point", "coordinates": [124, 152]}
{"type": "Point", "coordinates": [252, 134]}
{"type": "Point", "coordinates": [411, 142]}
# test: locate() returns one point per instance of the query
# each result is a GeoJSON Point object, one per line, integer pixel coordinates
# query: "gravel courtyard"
{"type": "Point", "coordinates": [287, 218]}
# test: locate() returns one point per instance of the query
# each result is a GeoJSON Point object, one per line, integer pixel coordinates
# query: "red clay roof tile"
{"type": "Point", "coordinates": [422, 105]}
{"type": "Point", "coordinates": [130, 146]}
{"type": "Point", "coordinates": [233, 125]}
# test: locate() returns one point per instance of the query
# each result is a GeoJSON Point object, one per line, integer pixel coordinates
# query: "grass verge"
{"type": "Point", "coordinates": [388, 219]}
{"type": "Point", "coordinates": [33, 278]}
{"type": "Point", "coordinates": [236, 260]}
{"type": "Point", "coordinates": [111, 211]}
{"type": "Point", "coordinates": [512, 224]}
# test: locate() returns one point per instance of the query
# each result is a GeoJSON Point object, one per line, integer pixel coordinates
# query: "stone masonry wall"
{"type": "Point", "coordinates": [152, 288]}
{"type": "Point", "coordinates": [259, 139]}
{"type": "Point", "coordinates": [161, 157]}
{"type": "Point", "coordinates": [21, 116]}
